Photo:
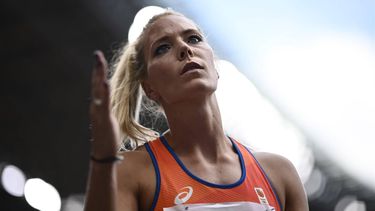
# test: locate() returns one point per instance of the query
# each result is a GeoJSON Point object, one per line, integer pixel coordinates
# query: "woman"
{"type": "Point", "coordinates": [194, 165]}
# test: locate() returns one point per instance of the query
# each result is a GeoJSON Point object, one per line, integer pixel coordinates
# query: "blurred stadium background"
{"type": "Point", "coordinates": [297, 78]}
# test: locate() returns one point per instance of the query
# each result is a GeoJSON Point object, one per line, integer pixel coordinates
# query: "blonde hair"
{"type": "Point", "coordinates": [127, 95]}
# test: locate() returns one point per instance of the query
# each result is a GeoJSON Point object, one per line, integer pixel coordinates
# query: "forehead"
{"type": "Point", "coordinates": [168, 25]}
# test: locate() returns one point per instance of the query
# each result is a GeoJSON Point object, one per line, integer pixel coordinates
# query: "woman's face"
{"type": "Point", "coordinates": [180, 63]}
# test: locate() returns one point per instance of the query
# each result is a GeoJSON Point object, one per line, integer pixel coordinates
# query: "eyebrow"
{"type": "Point", "coordinates": [183, 33]}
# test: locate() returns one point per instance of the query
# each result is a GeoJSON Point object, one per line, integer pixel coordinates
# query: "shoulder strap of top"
{"type": "Point", "coordinates": [252, 166]}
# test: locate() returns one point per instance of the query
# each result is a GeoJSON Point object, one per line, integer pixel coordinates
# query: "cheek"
{"type": "Point", "coordinates": [160, 73]}
{"type": "Point", "coordinates": [209, 57]}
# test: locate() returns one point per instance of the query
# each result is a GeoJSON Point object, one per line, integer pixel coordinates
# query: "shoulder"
{"type": "Point", "coordinates": [285, 179]}
{"type": "Point", "coordinates": [136, 178]}
{"type": "Point", "coordinates": [135, 163]}
{"type": "Point", "coordinates": [275, 163]}
{"type": "Point", "coordinates": [277, 169]}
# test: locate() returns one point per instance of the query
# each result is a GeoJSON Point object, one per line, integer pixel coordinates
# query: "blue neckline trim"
{"type": "Point", "coordinates": [239, 182]}
{"type": "Point", "coordinates": [269, 181]}
{"type": "Point", "coordinates": [157, 173]}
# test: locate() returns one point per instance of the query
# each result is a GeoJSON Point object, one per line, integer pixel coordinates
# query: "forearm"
{"type": "Point", "coordinates": [102, 187]}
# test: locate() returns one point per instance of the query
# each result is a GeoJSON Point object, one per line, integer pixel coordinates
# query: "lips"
{"type": "Point", "coordinates": [190, 66]}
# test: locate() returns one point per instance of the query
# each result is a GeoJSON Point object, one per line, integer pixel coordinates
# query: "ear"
{"type": "Point", "coordinates": [150, 93]}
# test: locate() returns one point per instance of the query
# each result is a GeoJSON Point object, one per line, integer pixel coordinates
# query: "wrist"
{"type": "Point", "coordinates": [106, 160]}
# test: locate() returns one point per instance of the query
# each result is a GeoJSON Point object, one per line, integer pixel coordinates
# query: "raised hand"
{"type": "Point", "coordinates": [105, 129]}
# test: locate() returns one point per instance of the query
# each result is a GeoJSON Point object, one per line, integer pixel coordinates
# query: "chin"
{"type": "Point", "coordinates": [194, 90]}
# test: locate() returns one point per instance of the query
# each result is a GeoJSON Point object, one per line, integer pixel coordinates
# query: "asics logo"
{"type": "Point", "coordinates": [184, 195]}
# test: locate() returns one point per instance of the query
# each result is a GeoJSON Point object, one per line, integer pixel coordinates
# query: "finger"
{"type": "Point", "coordinates": [95, 77]}
{"type": "Point", "coordinates": [102, 76]}
{"type": "Point", "coordinates": [100, 88]}
{"type": "Point", "coordinates": [99, 73]}
{"type": "Point", "coordinates": [101, 65]}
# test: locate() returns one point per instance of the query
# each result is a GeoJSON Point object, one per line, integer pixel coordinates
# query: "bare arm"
{"type": "Point", "coordinates": [103, 190]}
{"type": "Point", "coordinates": [294, 192]}
{"type": "Point", "coordinates": [286, 181]}
{"type": "Point", "coordinates": [112, 186]}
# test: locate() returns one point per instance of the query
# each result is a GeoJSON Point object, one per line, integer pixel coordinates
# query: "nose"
{"type": "Point", "coordinates": [184, 51]}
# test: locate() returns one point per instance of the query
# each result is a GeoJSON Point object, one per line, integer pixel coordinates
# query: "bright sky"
{"type": "Point", "coordinates": [314, 60]}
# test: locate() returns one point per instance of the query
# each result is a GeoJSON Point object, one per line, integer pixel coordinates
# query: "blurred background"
{"type": "Point", "coordinates": [297, 78]}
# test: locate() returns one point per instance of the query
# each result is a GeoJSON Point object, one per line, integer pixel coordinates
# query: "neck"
{"type": "Point", "coordinates": [195, 127]}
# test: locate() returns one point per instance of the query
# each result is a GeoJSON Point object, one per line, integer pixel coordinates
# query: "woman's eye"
{"type": "Point", "coordinates": [194, 39]}
{"type": "Point", "coordinates": [162, 49]}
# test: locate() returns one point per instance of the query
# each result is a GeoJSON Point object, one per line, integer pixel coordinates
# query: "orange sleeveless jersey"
{"type": "Point", "coordinates": [178, 189]}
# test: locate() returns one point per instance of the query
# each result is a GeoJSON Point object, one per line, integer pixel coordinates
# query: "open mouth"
{"type": "Point", "coordinates": [190, 66]}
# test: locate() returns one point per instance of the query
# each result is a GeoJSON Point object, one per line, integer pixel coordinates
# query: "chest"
{"type": "Point", "coordinates": [223, 174]}
{"type": "Point", "coordinates": [177, 181]}
{"type": "Point", "coordinates": [226, 171]}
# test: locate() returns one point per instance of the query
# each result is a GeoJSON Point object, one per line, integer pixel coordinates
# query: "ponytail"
{"type": "Point", "coordinates": [126, 98]}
